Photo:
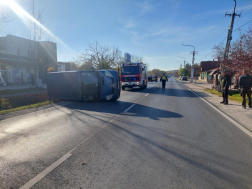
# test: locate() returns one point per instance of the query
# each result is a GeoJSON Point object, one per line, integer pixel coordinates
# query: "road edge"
{"type": "Point", "coordinates": [231, 119]}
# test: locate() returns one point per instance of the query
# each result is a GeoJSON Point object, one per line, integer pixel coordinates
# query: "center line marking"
{"type": "Point", "coordinates": [41, 175]}
{"type": "Point", "coordinates": [129, 108]}
{"type": "Point", "coordinates": [49, 169]}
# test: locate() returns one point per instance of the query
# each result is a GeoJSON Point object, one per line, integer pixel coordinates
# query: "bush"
{"type": "Point", "coordinates": [5, 104]}
{"type": "Point", "coordinates": [17, 101]}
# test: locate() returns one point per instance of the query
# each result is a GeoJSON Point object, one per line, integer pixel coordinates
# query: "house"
{"type": "Point", "coordinates": [18, 55]}
{"type": "Point", "coordinates": [208, 68]}
{"type": "Point", "coordinates": [63, 66]}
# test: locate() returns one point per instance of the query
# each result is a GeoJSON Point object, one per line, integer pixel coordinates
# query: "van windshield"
{"type": "Point", "coordinates": [130, 70]}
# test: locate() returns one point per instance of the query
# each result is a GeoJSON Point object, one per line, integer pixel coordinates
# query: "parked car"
{"type": "Point", "coordinates": [184, 78]}
{"type": "Point", "coordinates": [180, 77]}
{"type": "Point", "coordinates": [84, 85]}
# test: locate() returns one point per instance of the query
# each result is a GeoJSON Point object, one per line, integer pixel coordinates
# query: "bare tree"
{"type": "Point", "coordinates": [5, 17]}
{"type": "Point", "coordinates": [101, 56]}
{"type": "Point", "coordinates": [135, 58]}
{"type": "Point", "coordinates": [218, 51]}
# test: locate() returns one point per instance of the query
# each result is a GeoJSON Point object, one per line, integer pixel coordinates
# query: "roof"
{"type": "Point", "coordinates": [208, 65]}
{"type": "Point", "coordinates": [63, 62]}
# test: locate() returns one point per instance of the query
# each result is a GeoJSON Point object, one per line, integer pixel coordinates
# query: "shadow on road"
{"type": "Point", "coordinates": [118, 107]}
{"type": "Point", "coordinates": [172, 89]}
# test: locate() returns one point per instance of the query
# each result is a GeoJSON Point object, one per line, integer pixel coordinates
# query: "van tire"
{"type": "Point", "coordinates": [123, 88]}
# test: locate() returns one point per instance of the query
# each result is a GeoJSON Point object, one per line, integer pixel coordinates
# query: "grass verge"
{"type": "Point", "coordinates": [14, 91]}
{"type": "Point", "coordinates": [25, 107]}
{"type": "Point", "coordinates": [234, 96]}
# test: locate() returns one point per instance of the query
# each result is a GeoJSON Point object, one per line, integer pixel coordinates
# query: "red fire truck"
{"type": "Point", "coordinates": [134, 75]}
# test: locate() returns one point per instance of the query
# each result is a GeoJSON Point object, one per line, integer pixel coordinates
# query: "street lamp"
{"type": "Point", "coordinates": [193, 52]}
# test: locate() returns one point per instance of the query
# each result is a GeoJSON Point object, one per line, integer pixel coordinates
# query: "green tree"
{"type": "Point", "coordinates": [185, 70]}
{"type": "Point", "coordinates": [188, 66]}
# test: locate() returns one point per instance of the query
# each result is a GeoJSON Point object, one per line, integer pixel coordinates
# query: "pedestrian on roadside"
{"type": "Point", "coordinates": [225, 87]}
{"type": "Point", "coordinates": [245, 83]}
{"type": "Point", "coordinates": [163, 79]}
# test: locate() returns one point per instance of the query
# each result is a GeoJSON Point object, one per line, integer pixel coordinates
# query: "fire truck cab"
{"type": "Point", "coordinates": [134, 75]}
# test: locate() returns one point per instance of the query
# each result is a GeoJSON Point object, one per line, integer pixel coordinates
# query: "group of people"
{"type": "Point", "coordinates": [245, 84]}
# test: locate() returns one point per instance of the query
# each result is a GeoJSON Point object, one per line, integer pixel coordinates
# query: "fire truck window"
{"type": "Point", "coordinates": [130, 70]}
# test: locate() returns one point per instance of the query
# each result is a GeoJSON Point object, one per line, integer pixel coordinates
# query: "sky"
{"type": "Point", "coordinates": [153, 29]}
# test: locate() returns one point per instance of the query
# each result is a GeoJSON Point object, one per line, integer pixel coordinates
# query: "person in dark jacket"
{"type": "Point", "coordinates": [245, 83]}
{"type": "Point", "coordinates": [225, 87]}
{"type": "Point", "coordinates": [163, 79]}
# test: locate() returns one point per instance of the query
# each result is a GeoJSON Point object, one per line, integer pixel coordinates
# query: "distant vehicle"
{"type": "Point", "coordinates": [84, 85]}
{"type": "Point", "coordinates": [134, 75]}
{"type": "Point", "coordinates": [184, 78]}
{"type": "Point", "coordinates": [154, 78]}
{"type": "Point", "coordinates": [149, 79]}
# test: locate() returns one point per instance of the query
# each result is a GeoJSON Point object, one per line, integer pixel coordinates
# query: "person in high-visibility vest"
{"type": "Point", "coordinates": [163, 79]}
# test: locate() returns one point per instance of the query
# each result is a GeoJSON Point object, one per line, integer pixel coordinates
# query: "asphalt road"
{"type": "Point", "coordinates": [147, 139]}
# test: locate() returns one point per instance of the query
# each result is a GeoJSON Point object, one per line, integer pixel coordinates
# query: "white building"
{"type": "Point", "coordinates": [18, 56]}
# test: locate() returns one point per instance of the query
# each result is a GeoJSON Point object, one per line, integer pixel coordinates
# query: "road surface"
{"type": "Point", "coordinates": [147, 139]}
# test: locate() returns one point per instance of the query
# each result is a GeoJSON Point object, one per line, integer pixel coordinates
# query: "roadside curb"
{"type": "Point", "coordinates": [21, 94]}
{"type": "Point", "coordinates": [18, 113]}
{"type": "Point", "coordinates": [231, 118]}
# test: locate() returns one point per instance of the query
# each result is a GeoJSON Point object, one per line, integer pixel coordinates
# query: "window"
{"type": "Point", "coordinates": [130, 70]}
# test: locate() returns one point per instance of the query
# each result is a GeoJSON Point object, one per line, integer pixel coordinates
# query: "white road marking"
{"type": "Point", "coordinates": [41, 175]}
{"type": "Point", "coordinates": [129, 108]}
{"type": "Point", "coordinates": [147, 94]}
{"type": "Point", "coordinates": [224, 115]}
{"type": "Point", "coordinates": [45, 172]}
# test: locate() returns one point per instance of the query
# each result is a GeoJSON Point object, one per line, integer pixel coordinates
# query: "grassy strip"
{"type": "Point", "coordinates": [234, 96]}
{"type": "Point", "coordinates": [25, 107]}
{"type": "Point", "coordinates": [13, 91]}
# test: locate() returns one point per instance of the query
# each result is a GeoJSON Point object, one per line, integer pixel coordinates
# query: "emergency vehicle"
{"type": "Point", "coordinates": [134, 75]}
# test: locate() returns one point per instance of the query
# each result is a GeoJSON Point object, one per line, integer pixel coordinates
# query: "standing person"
{"type": "Point", "coordinates": [245, 83]}
{"type": "Point", "coordinates": [225, 87]}
{"type": "Point", "coordinates": [163, 79]}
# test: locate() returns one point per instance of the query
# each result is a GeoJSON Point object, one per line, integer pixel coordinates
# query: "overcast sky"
{"type": "Point", "coordinates": [153, 29]}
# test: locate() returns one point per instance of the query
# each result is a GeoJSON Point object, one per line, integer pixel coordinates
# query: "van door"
{"type": "Point", "coordinates": [90, 85]}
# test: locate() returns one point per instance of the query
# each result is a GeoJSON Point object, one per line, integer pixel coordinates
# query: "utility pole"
{"type": "Point", "coordinates": [184, 60]}
{"type": "Point", "coordinates": [192, 67]}
{"type": "Point", "coordinates": [230, 30]}
{"type": "Point", "coordinates": [193, 53]}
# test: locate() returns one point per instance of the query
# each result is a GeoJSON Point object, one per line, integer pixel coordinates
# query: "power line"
{"type": "Point", "coordinates": [205, 56]}
{"type": "Point", "coordinates": [215, 40]}
{"type": "Point", "coordinates": [213, 34]}
{"type": "Point", "coordinates": [212, 51]}
{"type": "Point", "coordinates": [243, 25]}
{"type": "Point", "coordinates": [245, 14]}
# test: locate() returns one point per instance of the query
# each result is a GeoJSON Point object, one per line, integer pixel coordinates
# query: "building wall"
{"type": "Point", "coordinates": [17, 46]}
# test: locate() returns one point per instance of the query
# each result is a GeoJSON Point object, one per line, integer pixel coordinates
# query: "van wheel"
{"type": "Point", "coordinates": [123, 88]}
